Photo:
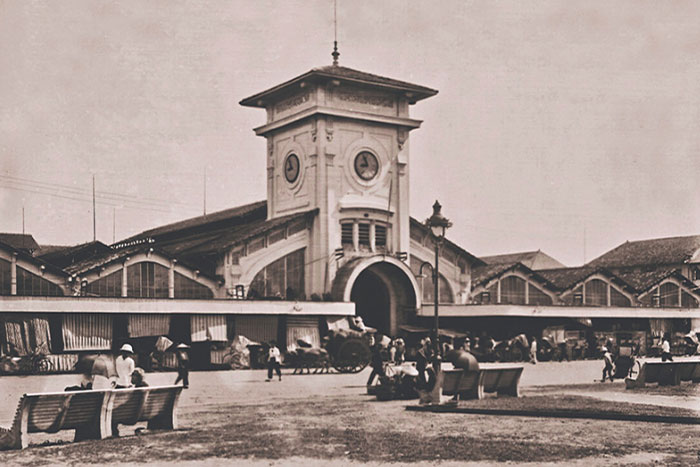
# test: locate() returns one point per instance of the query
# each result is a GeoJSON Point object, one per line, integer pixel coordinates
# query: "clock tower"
{"type": "Point", "coordinates": [337, 143]}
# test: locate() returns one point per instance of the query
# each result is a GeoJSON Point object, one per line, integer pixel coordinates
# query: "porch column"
{"type": "Point", "coordinates": [13, 275]}
{"type": "Point", "coordinates": [171, 280]}
{"type": "Point", "coordinates": [124, 276]}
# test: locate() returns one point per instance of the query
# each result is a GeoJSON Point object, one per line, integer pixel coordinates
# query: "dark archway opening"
{"type": "Point", "coordinates": [384, 297]}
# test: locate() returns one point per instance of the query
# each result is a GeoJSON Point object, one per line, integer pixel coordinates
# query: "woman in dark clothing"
{"type": "Point", "coordinates": [183, 365]}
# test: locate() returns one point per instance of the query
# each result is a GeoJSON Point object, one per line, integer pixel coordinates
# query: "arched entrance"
{"type": "Point", "coordinates": [383, 289]}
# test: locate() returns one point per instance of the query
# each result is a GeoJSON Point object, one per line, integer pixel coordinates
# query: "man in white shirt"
{"type": "Point", "coordinates": [125, 366]}
{"type": "Point", "coordinates": [273, 361]}
{"type": "Point", "coordinates": [666, 349]}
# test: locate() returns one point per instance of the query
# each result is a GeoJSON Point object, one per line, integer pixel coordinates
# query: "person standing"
{"type": "Point", "coordinates": [666, 349]}
{"type": "Point", "coordinates": [377, 364]}
{"type": "Point", "coordinates": [183, 365]}
{"type": "Point", "coordinates": [608, 368]}
{"type": "Point", "coordinates": [422, 358]}
{"type": "Point", "coordinates": [124, 366]}
{"type": "Point", "coordinates": [273, 361]}
{"type": "Point", "coordinates": [533, 351]}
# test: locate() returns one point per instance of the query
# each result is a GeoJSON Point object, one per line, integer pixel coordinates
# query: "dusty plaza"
{"type": "Point", "coordinates": [236, 418]}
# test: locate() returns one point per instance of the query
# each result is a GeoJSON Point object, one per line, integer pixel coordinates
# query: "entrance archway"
{"type": "Point", "coordinates": [383, 289]}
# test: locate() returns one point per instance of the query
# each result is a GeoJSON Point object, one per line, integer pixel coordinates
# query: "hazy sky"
{"type": "Point", "coordinates": [553, 117]}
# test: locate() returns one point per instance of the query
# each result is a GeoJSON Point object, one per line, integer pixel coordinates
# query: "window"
{"type": "Point", "coordinates": [364, 234]}
{"type": "Point", "coordinates": [618, 299]}
{"type": "Point", "coordinates": [380, 235]}
{"type": "Point", "coordinates": [537, 297]}
{"type": "Point", "coordinates": [188, 288]}
{"type": "Point", "coordinates": [107, 286]}
{"type": "Point", "coordinates": [31, 284]}
{"type": "Point", "coordinates": [5, 277]}
{"type": "Point", "coordinates": [283, 278]}
{"type": "Point", "coordinates": [485, 298]}
{"type": "Point", "coordinates": [696, 274]}
{"type": "Point", "coordinates": [513, 290]}
{"type": "Point", "coordinates": [147, 280]}
{"type": "Point", "coordinates": [578, 299]}
{"type": "Point", "coordinates": [429, 289]}
{"type": "Point", "coordinates": [346, 233]}
{"type": "Point", "coordinates": [596, 292]}
{"type": "Point", "coordinates": [688, 301]}
{"type": "Point", "coordinates": [668, 294]}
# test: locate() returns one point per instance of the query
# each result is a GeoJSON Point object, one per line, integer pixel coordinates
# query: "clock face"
{"type": "Point", "coordinates": [366, 165]}
{"type": "Point", "coordinates": [291, 168]}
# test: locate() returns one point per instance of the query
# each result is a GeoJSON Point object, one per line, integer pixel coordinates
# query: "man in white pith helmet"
{"type": "Point", "coordinates": [125, 365]}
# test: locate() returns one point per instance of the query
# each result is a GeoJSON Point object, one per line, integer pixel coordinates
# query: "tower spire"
{"type": "Point", "coordinates": [335, 53]}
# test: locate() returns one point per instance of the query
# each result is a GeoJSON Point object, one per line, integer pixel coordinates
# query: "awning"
{"type": "Point", "coordinates": [443, 332]}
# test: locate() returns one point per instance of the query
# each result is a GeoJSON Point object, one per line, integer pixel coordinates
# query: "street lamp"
{"type": "Point", "coordinates": [438, 225]}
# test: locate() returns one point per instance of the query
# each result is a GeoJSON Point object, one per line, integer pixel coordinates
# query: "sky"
{"type": "Point", "coordinates": [569, 127]}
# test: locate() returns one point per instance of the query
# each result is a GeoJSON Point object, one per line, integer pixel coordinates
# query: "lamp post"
{"type": "Point", "coordinates": [438, 225]}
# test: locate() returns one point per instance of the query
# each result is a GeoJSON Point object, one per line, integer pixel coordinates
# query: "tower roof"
{"type": "Point", "coordinates": [413, 92]}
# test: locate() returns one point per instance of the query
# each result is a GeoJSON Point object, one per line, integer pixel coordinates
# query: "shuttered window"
{"type": "Point", "coordinates": [380, 235]}
{"type": "Point", "coordinates": [363, 234]}
{"type": "Point", "coordinates": [257, 328]}
{"type": "Point", "coordinates": [87, 331]}
{"type": "Point", "coordinates": [346, 233]}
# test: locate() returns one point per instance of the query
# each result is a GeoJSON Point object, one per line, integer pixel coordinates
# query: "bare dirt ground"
{"type": "Point", "coordinates": [235, 418]}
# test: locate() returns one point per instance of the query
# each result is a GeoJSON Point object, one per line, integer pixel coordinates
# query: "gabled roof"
{"type": "Point", "coordinates": [21, 253]}
{"type": "Point", "coordinates": [108, 257]}
{"type": "Point", "coordinates": [19, 241]}
{"type": "Point", "coordinates": [482, 275]}
{"type": "Point", "coordinates": [535, 260]}
{"type": "Point", "coordinates": [656, 251]}
{"type": "Point", "coordinates": [566, 278]}
{"type": "Point", "coordinates": [220, 219]}
{"type": "Point", "coordinates": [643, 281]}
{"type": "Point", "coordinates": [416, 224]}
{"type": "Point", "coordinates": [198, 240]}
{"type": "Point", "coordinates": [341, 73]}
{"type": "Point", "coordinates": [65, 256]}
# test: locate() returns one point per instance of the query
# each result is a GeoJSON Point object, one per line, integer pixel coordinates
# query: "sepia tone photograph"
{"type": "Point", "coordinates": [347, 233]}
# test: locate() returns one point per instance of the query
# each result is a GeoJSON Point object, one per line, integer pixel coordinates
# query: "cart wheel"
{"type": "Point", "coordinates": [352, 357]}
{"type": "Point", "coordinates": [634, 369]}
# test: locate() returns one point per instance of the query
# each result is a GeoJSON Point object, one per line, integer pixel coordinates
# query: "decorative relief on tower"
{"type": "Point", "coordinates": [329, 129]}
{"type": "Point", "coordinates": [292, 102]}
{"type": "Point", "coordinates": [401, 137]}
{"type": "Point", "coordinates": [364, 98]}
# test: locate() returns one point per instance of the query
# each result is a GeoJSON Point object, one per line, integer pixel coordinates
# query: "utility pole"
{"type": "Point", "coordinates": [94, 215]}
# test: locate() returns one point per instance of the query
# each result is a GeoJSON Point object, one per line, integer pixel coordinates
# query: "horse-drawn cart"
{"type": "Point", "coordinates": [349, 349]}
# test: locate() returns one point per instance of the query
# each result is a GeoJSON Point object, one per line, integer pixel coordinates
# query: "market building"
{"type": "Point", "coordinates": [333, 238]}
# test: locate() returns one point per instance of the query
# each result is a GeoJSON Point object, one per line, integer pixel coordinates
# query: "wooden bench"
{"type": "Point", "coordinates": [90, 413]}
{"type": "Point", "coordinates": [666, 373]}
{"type": "Point", "coordinates": [503, 380]}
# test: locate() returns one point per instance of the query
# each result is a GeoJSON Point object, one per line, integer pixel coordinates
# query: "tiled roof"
{"type": "Point", "coordinates": [641, 281]}
{"type": "Point", "coordinates": [563, 278]}
{"type": "Point", "coordinates": [21, 253]}
{"type": "Point", "coordinates": [483, 274]}
{"type": "Point", "coordinates": [656, 251]}
{"type": "Point", "coordinates": [535, 260]}
{"type": "Point", "coordinates": [19, 241]}
{"type": "Point", "coordinates": [62, 257]}
{"type": "Point", "coordinates": [416, 224]}
{"type": "Point", "coordinates": [344, 74]}
{"type": "Point", "coordinates": [225, 218]}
